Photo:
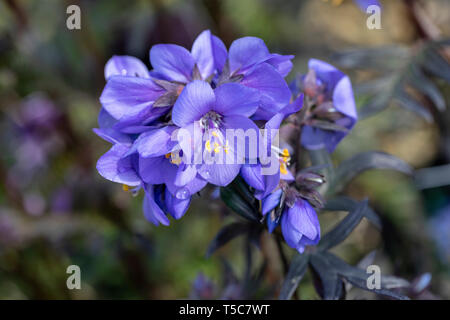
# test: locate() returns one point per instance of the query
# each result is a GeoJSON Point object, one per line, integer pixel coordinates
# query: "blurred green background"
{"type": "Point", "coordinates": [55, 209]}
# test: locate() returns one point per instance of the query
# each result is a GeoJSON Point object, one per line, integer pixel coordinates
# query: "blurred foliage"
{"type": "Point", "coordinates": [55, 210]}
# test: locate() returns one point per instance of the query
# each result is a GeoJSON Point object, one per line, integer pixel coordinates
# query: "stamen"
{"type": "Point", "coordinates": [216, 147]}
{"type": "Point", "coordinates": [208, 145]}
{"type": "Point", "coordinates": [283, 168]}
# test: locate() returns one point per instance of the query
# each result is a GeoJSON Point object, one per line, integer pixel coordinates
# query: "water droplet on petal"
{"type": "Point", "coordinates": [205, 174]}
{"type": "Point", "coordinates": [183, 193]}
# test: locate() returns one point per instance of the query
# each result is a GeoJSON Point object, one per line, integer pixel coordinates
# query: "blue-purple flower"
{"type": "Point", "coordinates": [299, 222]}
{"type": "Point", "coordinates": [254, 174]}
{"type": "Point", "coordinates": [332, 110]}
{"type": "Point", "coordinates": [160, 163]}
{"type": "Point", "coordinates": [130, 93]}
{"type": "Point", "coordinates": [170, 127]}
{"type": "Point", "coordinates": [203, 112]}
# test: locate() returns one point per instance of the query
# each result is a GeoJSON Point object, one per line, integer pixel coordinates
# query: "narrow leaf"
{"type": "Point", "coordinates": [421, 83]}
{"type": "Point", "coordinates": [354, 166]}
{"type": "Point", "coordinates": [358, 277]}
{"type": "Point", "coordinates": [347, 204]}
{"type": "Point", "coordinates": [410, 103]}
{"type": "Point", "coordinates": [328, 277]}
{"type": "Point", "coordinates": [433, 177]}
{"type": "Point", "coordinates": [436, 64]}
{"type": "Point", "coordinates": [295, 274]}
{"type": "Point", "coordinates": [383, 58]}
{"type": "Point", "coordinates": [238, 204]}
{"type": "Point", "coordinates": [326, 125]}
{"type": "Point", "coordinates": [225, 235]}
{"type": "Point", "coordinates": [344, 228]}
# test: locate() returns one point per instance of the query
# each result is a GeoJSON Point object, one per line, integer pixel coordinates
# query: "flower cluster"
{"type": "Point", "coordinates": [153, 119]}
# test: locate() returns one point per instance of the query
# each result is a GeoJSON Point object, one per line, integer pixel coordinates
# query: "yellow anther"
{"type": "Point", "coordinates": [226, 147]}
{"type": "Point", "coordinates": [126, 187]}
{"type": "Point", "coordinates": [216, 147]}
{"type": "Point", "coordinates": [285, 153]}
{"type": "Point", "coordinates": [168, 155]}
{"type": "Point", "coordinates": [283, 168]}
{"type": "Point", "coordinates": [208, 145]}
{"type": "Point", "coordinates": [215, 134]}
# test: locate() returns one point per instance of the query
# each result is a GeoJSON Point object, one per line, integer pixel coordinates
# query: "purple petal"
{"type": "Point", "coordinates": [364, 4]}
{"type": "Point", "coordinates": [235, 99]}
{"type": "Point", "coordinates": [281, 63]}
{"type": "Point", "coordinates": [156, 170]}
{"type": "Point", "coordinates": [209, 53]}
{"type": "Point", "coordinates": [114, 167]}
{"type": "Point", "coordinates": [190, 139]}
{"type": "Point", "coordinates": [271, 201]}
{"type": "Point", "coordinates": [126, 97]}
{"type": "Point", "coordinates": [290, 235]}
{"type": "Point", "coordinates": [245, 144]}
{"type": "Point", "coordinates": [314, 138]}
{"type": "Point", "coordinates": [134, 124]}
{"type": "Point", "coordinates": [156, 142]}
{"type": "Point", "coordinates": [173, 62]}
{"type": "Point", "coordinates": [176, 207]}
{"type": "Point", "coordinates": [125, 66]}
{"type": "Point", "coordinates": [152, 211]}
{"type": "Point", "coordinates": [326, 73]}
{"type": "Point", "coordinates": [287, 176]}
{"type": "Point", "coordinates": [275, 93]}
{"type": "Point", "coordinates": [185, 174]}
{"type": "Point", "coordinates": [271, 183]}
{"type": "Point", "coordinates": [274, 123]}
{"type": "Point", "coordinates": [343, 98]}
{"type": "Point", "coordinates": [105, 120]}
{"type": "Point", "coordinates": [219, 174]}
{"type": "Point", "coordinates": [303, 218]}
{"type": "Point", "coordinates": [196, 99]}
{"type": "Point", "coordinates": [194, 186]}
{"type": "Point", "coordinates": [246, 52]}
{"type": "Point", "coordinates": [272, 129]}
{"type": "Point", "coordinates": [252, 175]}
{"type": "Point", "coordinates": [293, 107]}
{"type": "Point", "coordinates": [113, 136]}
{"type": "Point", "coordinates": [272, 224]}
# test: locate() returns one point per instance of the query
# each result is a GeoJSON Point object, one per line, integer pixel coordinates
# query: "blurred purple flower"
{"type": "Point", "coordinates": [62, 200]}
{"type": "Point", "coordinates": [36, 132]}
{"type": "Point", "coordinates": [439, 227]}
{"type": "Point", "coordinates": [8, 233]}
{"type": "Point", "coordinates": [203, 288]}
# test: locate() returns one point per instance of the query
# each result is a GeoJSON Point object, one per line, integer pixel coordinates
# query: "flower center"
{"type": "Point", "coordinates": [211, 120]}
